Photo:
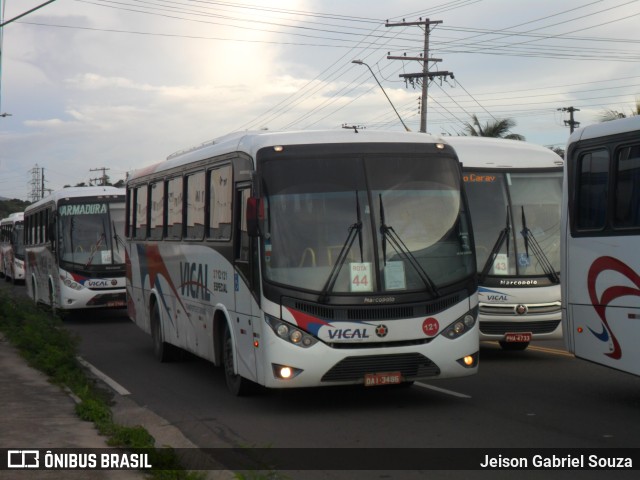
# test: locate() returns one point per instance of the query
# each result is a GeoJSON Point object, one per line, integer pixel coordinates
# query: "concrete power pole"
{"type": "Point", "coordinates": [425, 75]}
{"type": "Point", "coordinates": [571, 123]}
{"type": "Point", "coordinates": [104, 178]}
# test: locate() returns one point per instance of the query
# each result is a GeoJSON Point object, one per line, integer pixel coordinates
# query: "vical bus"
{"type": "Point", "coordinates": [514, 190]}
{"type": "Point", "coordinates": [600, 243]}
{"type": "Point", "coordinates": [12, 247]}
{"type": "Point", "coordinates": [74, 249]}
{"type": "Point", "coordinates": [307, 258]}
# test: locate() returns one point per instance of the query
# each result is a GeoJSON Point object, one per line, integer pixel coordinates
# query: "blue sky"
{"type": "Point", "coordinates": [120, 84]}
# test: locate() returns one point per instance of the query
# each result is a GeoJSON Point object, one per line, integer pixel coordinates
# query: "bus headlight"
{"type": "Point", "coordinates": [285, 372]}
{"type": "Point", "coordinates": [461, 326]}
{"type": "Point", "coordinates": [72, 284]}
{"type": "Point", "coordinates": [289, 333]}
{"type": "Point", "coordinates": [469, 361]}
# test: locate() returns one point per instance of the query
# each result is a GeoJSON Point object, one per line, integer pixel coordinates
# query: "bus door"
{"type": "Point", "coordinates": [246, 322]}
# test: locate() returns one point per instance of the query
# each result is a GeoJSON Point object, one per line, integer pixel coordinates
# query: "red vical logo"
{"type": "Point", "coordinates": [382, 330]}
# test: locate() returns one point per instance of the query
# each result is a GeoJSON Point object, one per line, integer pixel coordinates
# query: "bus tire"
{"type": "Point", "coordinates": [514, 346]}
{"type": "Point", "coordinates": [162, 350]}
{"type": "Point", "coordinates": [236, 384]}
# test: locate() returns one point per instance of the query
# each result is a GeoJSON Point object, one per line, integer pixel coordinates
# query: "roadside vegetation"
{"type": "Point", "coordinates": [48, 347]}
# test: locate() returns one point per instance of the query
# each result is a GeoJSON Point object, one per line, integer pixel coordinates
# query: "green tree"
{"type": "Point", "coordinates": [9, 206]}
{"type": "Point", "coordinates": [500, 128]}
{"type": "Point", "coordinates": [611, 114]}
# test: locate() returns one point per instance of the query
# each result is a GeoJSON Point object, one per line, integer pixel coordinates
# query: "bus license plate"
{"type": "Point", "coordinates": [384, 378]}
{"type": "Point", "coordinates": [517, 337]}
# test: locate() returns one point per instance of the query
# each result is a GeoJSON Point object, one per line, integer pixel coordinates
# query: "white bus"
{"type": "Point", "coordinates": [601, 243]}
{"type": "Point", "coordinates": [75, 254]}
{"type": "Point", "coordinates": [307, 258]}
{"type": "Point", "coordinates": [12, 248]}
{"type": "Point", "coordinates": [514, 190]}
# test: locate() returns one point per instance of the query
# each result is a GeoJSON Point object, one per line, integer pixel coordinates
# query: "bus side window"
{"type": "Point", "coordinates": [156, 225]}
{"type": "Point", "coordinates": [174, 208]}
{"type": "Point", "coordinates": [141, 223]}
{"type": "Point", "coordinates": [220, 193]}
{"type": "Point", "coordinates": [592, 190]}
{"type": "Point", "coordinates": [195, 211]}
{"type": "Point", "coordinates": [627, 188]}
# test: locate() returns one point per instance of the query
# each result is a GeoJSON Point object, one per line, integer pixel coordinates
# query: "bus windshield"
{"type": "Point", "coordinates": [514, 200]}
{"type": "Point", "coordinates": [371, 223]}
{"type": "Point", "coordinates": [89, 233]}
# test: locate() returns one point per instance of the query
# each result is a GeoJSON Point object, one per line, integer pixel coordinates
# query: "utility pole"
{"type": "Point", "coordinates": [425, 75]}
{"type": "Point", "coordinates": [36, 192]}
{"type": "Point", "coordinates": [104, 178]}
{"type": "Point", "coordinates": [571, 123]}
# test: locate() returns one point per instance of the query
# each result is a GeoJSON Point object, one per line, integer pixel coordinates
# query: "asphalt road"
{"type": "Point", "coordinates": [542, 397]}
{"type": "Point", "coordinates": [539, 398]}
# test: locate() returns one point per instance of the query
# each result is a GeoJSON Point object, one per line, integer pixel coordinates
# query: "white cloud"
{"type": "Point", "coordinates": [84, 98]}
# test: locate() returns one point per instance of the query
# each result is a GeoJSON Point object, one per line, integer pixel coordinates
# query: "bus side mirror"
{"type": "Point", "coordinates": [252, 215]}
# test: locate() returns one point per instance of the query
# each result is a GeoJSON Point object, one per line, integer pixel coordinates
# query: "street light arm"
{"type": "Point", "coordinates": [26, 13]}
{"type": "Point", "coordinates": [360, 62]}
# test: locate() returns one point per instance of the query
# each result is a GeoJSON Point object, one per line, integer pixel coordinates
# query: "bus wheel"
{"type": "Point", "coordinates": [514, 346]}
{"type": "Point", "coordinates": [236, 384]}
{"type": "Point", "coordinates": [161, 349]}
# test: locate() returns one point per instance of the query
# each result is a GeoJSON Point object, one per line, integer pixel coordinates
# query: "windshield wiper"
{"type": "Point", "coordinates": [388, 233]}
{"type": "Point", "coordinates": [117, 238]}
{"type": "Point", "coordinates": [529, 239]}
{"type": "Point", "coordinates": [103, 237]}
{"type": "Point", "coordinates": [94, 249]}
{"type": "Point", "coordinates": [354, 229]}
{"type": "Point", "coordinates": [502, 237]}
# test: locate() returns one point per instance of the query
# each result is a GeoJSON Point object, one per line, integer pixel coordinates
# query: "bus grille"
{"type": "Point", "coordinates": [500, 328]}
{"type": "Point", "coordinates": [510, 309]}
{"type": "Point", "coordinates": [411, 365]}
{"type": "Point", "coordinates": [371, 313]}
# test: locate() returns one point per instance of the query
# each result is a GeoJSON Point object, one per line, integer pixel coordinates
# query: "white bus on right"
{"type": "Point", "coordinates": [601, 244]}
{"type": "Point", "coordinates": [514, 190]}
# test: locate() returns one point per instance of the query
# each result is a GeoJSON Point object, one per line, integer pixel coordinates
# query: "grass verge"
{"type": "Point", "coordinates": [50, 348]}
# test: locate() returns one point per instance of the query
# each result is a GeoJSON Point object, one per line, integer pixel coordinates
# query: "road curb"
{"type": "Point", "coordinates": [128, 413]}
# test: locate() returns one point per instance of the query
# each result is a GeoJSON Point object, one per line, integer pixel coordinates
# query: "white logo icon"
{"type": "Point", "coordinates": [23, 459]}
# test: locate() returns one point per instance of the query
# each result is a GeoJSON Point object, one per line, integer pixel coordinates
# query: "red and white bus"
{"type": "Point", "coordinates": [74, 249]}
{"type": "Point", "coordinates": [600, 243]}
{"type": "Point", "coordinates": [12, 248]}
{"type": "Point", "coordinates": [307, 258]}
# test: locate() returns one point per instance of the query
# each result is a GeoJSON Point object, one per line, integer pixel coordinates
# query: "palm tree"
{"type": "Point", "coordinates": [611, 114]}
{"type": "Point", "coordinates": [497, 129]}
